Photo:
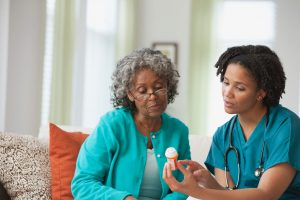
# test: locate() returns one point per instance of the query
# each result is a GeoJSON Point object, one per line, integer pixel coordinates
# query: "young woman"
{"type": "Point", "coordinates": [255, 155]}
{"type": "Point", "coordinates": [124, 157]}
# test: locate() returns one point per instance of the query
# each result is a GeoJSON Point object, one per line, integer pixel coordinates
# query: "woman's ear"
{"type": "Point", "coordinates": [261, 94]}
{"type": "Point", "coordinates": [130, 97]}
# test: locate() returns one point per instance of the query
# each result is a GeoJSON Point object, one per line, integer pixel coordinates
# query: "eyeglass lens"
{"type": "Point", "coordinates": [146, 96]}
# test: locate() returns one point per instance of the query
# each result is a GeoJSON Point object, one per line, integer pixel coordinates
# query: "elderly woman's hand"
{"type": "Point", "coordinates": [189, 184]}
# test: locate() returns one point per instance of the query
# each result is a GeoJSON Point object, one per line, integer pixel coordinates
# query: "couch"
{"type": "Point", "coordinates": [25, 161]}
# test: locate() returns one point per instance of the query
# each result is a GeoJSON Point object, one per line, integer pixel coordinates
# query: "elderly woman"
{"type": "Point", "coordinates": [124, 157]}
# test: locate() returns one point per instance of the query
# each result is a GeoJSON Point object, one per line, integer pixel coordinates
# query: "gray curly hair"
{"type": "Point", "coordinates": [128, 67]}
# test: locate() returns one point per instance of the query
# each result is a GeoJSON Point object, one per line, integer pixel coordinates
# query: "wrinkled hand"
{"type": "Point", "coordinates": [189, 184]}
{"type": "Point", "coordinates": [201, 174]}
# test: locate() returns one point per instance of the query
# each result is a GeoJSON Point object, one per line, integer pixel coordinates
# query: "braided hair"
{"type": "Point", "coordinates": [262, 63]}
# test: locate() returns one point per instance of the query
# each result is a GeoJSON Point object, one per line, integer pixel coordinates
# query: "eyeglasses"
{"type": "Point", "coordinates": [146, 96]}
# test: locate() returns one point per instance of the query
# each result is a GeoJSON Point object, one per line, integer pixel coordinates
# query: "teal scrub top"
{"type": "Point", "coordinates": [111, 161]}
{"type": "Point", "coordinates": [282, 145]}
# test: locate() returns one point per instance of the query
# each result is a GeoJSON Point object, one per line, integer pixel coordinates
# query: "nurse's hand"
{"type": "Point", "coordinates": [130, 198]}
{"type": "Point", "coordinates": [201, 174]}
{"type": "Point", "coordinates": [189, 184]}
{"type": "Point", "coordinates": [191, 165]}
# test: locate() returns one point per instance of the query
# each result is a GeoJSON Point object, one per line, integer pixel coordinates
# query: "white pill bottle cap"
{"type": "Point", "coordinates": [172, 155]}
{"type": "Point", "coordinates": [171, 152]}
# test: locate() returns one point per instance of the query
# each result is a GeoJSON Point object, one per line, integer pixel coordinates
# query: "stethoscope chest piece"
{"type": "Point", "coordinates": [258, 172]}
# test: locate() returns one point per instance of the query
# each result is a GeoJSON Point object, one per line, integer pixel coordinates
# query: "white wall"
{"type": "Point", "coordinates": [168, 21]}
{"type": "Point", "coordinates": [287, 46]}
{"type": "Point", "coordinates": [4, 13]}
{"type": "Point", "coordinates": [24, 66]}
{"type": "Point", "coordinates": [22, 31]}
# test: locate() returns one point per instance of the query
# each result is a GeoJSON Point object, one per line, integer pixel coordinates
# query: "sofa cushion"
{"type": "Point", "coordinates": [64, 148]}
{"type": "Point", "coordinates": [23, 159]}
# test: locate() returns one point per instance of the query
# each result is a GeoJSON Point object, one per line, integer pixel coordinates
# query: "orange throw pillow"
{"type": "Point", "coordinates": [64, 148]}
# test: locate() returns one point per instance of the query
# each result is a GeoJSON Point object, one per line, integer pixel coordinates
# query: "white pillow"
{"type": "Point", "coordinates": [25, 167]}
{"type": "Point", "coordinates": [200, 145]}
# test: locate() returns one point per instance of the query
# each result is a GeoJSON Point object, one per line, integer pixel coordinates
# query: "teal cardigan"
{"type": "Point", "coordinates": [111, 161]}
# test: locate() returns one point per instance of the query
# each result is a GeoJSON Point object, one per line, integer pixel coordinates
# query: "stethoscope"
{"type": "Point", "coordinates": [258, 171]}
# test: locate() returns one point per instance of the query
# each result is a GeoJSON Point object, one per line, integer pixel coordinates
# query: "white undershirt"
{"type": "Point", "coordinates": [151, 188]}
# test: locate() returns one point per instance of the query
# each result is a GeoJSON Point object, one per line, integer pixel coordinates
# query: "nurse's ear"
{"type": "Point", "coordinates": [261, 94]}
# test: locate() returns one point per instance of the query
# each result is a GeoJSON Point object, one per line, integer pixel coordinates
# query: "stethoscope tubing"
{"type": "Point", "coordinates": [232, 148]}
{"type": "Point", "coordinates": [258, 171]}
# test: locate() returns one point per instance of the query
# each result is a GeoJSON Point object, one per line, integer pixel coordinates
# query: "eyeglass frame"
{"type": "Point", "coordinates": [146, 96]}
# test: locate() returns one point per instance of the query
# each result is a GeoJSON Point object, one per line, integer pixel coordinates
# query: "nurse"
{"type": "Point", "coordinates": [256, 154]}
